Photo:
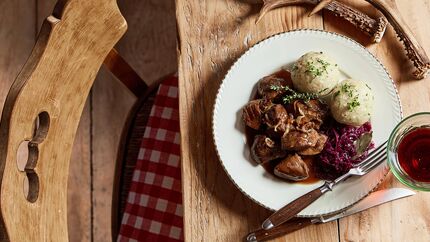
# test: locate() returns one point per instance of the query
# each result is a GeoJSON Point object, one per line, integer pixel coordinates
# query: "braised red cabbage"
{"type": "Point", "coordinates": [336, 158]}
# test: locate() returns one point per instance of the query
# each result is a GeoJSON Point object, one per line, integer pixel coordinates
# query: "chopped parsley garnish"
{"type": "Point", "coordinates": [312, 69]}
{"type": "Point", "coordinates": [353, 104]}
{"type": "Point", "coordinates": [324, 64]}
{"type": "Point", "coordinates": [336, 93]}
{"type": "Point", "coordinates": [315, 70]}
{"type": "Point", "coordinates": [368, 87]}
{"type": "Point", "coordinates": [347, 88]}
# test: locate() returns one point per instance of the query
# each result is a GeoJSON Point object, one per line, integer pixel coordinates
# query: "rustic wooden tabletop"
{"type": "Point", "coordinates": [212, 35]}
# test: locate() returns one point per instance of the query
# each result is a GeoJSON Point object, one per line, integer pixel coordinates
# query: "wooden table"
{"type": "Point", "coordinates": [212, 35]}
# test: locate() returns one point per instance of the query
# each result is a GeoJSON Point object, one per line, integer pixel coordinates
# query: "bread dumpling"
{"type": "Point", "coordinates": [315, 72]}
{"type": "Point", "coordinates": [352, 102]}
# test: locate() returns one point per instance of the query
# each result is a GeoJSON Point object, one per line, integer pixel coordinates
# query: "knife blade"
{"type": "Point", "coordinates": [373, 200]}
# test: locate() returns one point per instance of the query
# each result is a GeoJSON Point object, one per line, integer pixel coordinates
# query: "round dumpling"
{"type": "Point", "coordinates": [315, 72]}
{"type": "Point", "coordinates": [352, 102]}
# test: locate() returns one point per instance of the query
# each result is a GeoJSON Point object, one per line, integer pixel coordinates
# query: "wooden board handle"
{"type": "Point", "coordinates": [43, 107]}
{"type": "Point", "coordinates": [292, 209]}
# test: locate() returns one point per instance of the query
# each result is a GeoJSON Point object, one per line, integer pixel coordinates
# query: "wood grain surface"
{"type": "Point", "coordinates": [46, 89]}
{"type": "Point", "coordinates": [150, 47]}
{"type": "Point", "coordinates": [212, 34]}
{"type": "Point", "coordinates": [17, 29]}
{"type": "Point", "coordinates": [79, 182]}
{"type": "Point", "coordinates": [20, 22]}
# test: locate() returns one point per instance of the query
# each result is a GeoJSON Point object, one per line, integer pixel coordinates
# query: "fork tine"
{"type": "Point", "coordinates": [375, 159]}
{"type": "Point", "coordinates": [371, 159]}
{"type": "Point", "coordinates": [373, 164]}
{"type": "Point", "coordinates": [373, 154]}
{"type": "Point", "coordinates": [381, 146]}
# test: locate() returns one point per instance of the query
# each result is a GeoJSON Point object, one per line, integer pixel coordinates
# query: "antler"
{"type": "Point", "coordinates": [320, 6]}
{"type": "Point", "coordinates": [375, 28]}
{"type": "Point", "coordinates": [414, 50]}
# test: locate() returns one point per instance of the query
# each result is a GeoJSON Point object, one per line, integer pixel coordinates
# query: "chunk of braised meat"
{"type": "Point", "coordinates": [275, 115]}
{"type": "Point", "coordinates": [296, 140]}
{"type": "Point", "coordinates": [317, 148]}
{"type": "Point", "coordinates": [265, 149]}
{"type": "Point", "coordinates": [292, 168]}
{"type": "Point", "coordinates": [310, 114]}
{"type": "Point", "coordinates": [283, 127]}
{"type": "Point", "coordinates": [265, 87]}
{"type": "Point", "coordinates": [313, 108]}
{"type": "Point", "coordinates": [278, 121]}
{"type": "Point", "coordinates": [252, 113]}
{"type": "Point", "coordinates": [304, 123]}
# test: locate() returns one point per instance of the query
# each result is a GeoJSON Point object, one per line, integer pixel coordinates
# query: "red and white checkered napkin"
{"type": "Point", "coordinates": [154, 206]}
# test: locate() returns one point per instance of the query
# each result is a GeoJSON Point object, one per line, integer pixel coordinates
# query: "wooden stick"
{"type": "Point", "coordinates": [125, 73]}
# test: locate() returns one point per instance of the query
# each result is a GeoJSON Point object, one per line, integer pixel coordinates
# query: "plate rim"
{"type": "Point", "coordinates": [250, 49]}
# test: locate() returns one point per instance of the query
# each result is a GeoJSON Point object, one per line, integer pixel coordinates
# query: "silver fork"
{"type": "Point", "coordinates": [375, 157]}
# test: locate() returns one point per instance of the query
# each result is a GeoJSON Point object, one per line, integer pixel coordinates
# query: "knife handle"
{"type": "Point", "coordinates": [283, 229]}
{"type": "Point", "coordinates": [292, 209]}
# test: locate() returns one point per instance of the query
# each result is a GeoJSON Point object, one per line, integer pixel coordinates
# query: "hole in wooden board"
{"type": "Point", "coordinates": [27, 155]}
{"type": "Point", "coordinates": [31, 187]}
{"type": "Point", "coordinates": [41, 127]}
{"type": "Point", "coordinates": [22, 155]}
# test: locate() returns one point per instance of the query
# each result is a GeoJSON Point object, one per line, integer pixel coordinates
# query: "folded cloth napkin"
{"type": "Point", "coordinates": [154, 205]}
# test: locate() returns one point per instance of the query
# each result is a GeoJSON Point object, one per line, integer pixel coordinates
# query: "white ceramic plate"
{"type": "Point", "coordinates": [238, 87]}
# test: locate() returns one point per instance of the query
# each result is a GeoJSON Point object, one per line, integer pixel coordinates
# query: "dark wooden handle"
{"type": "Point", "coordinates": [125, 73]}
{"type": "Point", "coordinates": [283, 229]}
{"type": "Point", "coordinates": [292, 209]}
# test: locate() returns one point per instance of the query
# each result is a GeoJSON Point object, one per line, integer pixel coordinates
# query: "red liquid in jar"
{"type": "Point", "coordinates": [414, 154]}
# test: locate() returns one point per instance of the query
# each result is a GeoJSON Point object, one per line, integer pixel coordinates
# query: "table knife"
{"type": "Point", "coordinates": [374, 199]}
